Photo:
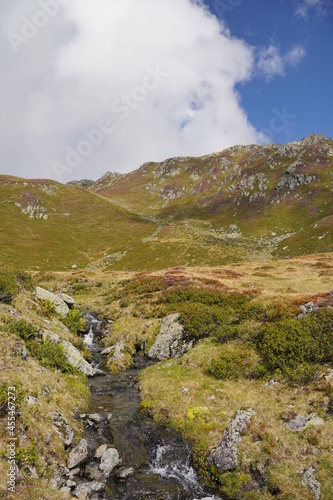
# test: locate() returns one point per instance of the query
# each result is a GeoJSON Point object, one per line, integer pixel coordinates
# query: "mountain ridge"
{"type": "Point", "coordinates": [244, 203]}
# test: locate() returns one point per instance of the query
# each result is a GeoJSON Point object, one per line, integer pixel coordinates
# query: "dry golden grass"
{"type": "Point", "coordinates": [66, 393]}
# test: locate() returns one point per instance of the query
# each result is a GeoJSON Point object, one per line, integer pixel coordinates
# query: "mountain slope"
{"type": "Point", "coordinates": [51, 226]}
{"type": "Point", "coordinates": [266, 197]}
{"type": "Point", "coordinates": [246, 203]}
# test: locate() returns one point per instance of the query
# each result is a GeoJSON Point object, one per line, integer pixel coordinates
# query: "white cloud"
{"type": "Point", "coordinates": [90, 58]}
{"type": "Point", "coordinates": [305, 7]}
{"type": "Point", "coordinates": [272, 63]}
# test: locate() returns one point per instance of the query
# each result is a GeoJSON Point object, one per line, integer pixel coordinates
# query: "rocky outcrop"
{"type": "Point", "coordinates": [73, 355]}
{"type": "Point", "coordinates": [225, 456]}
{"type": "Point", "coordinates": [309, 479]}
{"type": "Point", "coordinates": [85, 490]}
{"type": "Point", "coordinates": [59, 304]}
{"type": "Point", "coordinates": [299, 423]}
{"type": "Point", "coordinates": [62, 428]}
{"type": "Point", "coordinates": [83, 183]}
{"type": "Point", "coordinates": [109, 460]}
{"type": "Point", "coordinates": [75, 358]}
{"type": "Point", "coordinates": [306, 309]}
{"type": "Point", "coordinates": [292, 182]}
{"type": "Point", "coordinates": [78, 455]}
{"type": "Point", "coordinates": [67, 299]}
{"type": "Point", "coordinates": [170, 342]}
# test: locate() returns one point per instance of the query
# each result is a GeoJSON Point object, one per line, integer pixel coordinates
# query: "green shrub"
{"type": "Point", "coordinates": [294, 347]}
{"type": "Point", "coordinates": [231, 483]}
{"type": "Point", "coordinates": [47, 308]}
{"type": "Point", "coordinates": [50, 355]}
{"type": "Point", "coordinates": [25, 280]}
{"type": "Point", "coordinates": [8, 287]}
{"type": "Point", "coordinates": [201, 320]}
{"type": "Point", "coordinates": [27, 455]}
{"type": "Point", "coordinates": [225, 333]}
{"type": "Point", "coordinates": [25, 330]}
{"type": "Point", "coordinates": [74, 321]}
{"type": "Point", "coordinates": [235, 361]}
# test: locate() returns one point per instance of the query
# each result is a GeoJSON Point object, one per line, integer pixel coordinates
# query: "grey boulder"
{"type": "Point", "coordinates": [225, 456]}
{"type": "Point", "coordinates": [170, 342]}
{"type": "Point", "coordinates": [85, 490]}
{"type": "Point", "coordinates": [78, 455]}
{"type": "Point", "coordinates": [60, 306]}
{"type": "Point", "coordinates": [310, 480]}
{"type": "Point", "coordinates": [109, 460]}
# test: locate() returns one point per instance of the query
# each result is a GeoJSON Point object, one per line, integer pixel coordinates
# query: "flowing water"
{"type": "Point", "coordinates": [160, 460]}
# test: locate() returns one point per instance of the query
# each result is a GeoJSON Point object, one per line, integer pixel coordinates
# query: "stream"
{"type": "Point", "coordinates": [156, 463]}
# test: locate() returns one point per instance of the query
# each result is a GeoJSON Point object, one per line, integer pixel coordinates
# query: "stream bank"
{"type": "Point", "coordinates": [155, 462]}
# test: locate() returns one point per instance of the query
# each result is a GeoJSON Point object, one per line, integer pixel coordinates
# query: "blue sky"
{"type": "Point", "coordinates": [305, 91]}
{"type": "Point", "coordinates": [88, 87]}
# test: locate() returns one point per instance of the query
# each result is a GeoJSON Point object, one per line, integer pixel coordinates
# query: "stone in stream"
{"type": "Point", "coordinates": [93, 473]}
{"type": "Point", "coordinates": [78, 455]}
{"type": "Point", "coordinates": [102, 449]}
{"type": "Point", "coordinates": [109, 460]}
{"type": "Point", "coordinates": [225, 456]}
{"type": "Point", "coordinates": [85, 490]}
{"type": "Point", "coordinates": [95, 417]}
{"type": "Point", "coordinates": [125, 472]}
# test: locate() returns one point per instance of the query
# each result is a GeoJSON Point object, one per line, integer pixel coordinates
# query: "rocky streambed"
{"type": "Point", "coordinates": [123, 454]}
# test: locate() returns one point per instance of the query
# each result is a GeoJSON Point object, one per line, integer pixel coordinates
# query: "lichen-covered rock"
{"type": "Point", "coordinates": [59, 304]}
{"type": "Point", "coordinates": [63, 428]}
{"type": "Point", "coordinates": [75, 358]}
{"type": "Point", "coordinates": [170, 342]}
{"type": "Point", "coordinates": [48, 335]}
{"type": "Point", "coordinates": [299, 423]}
{"type": "Point", "coordinates": [117, 351]}
{"type": "Point", "coordinates": [102, 449]}
{"type": "Point", "coordinates": [306, 309]}
{"type": "Point", "coordinates": [67, 299]}
{"type": "Point", "coordinates": [78, 455]}
{"type": "Point", "coordinates": [225, 456]}
{"type": "Point", "coordinates": [309, 479]}
{"type": "Point", "coordinates": [109, 460]}
{"type": "Point", "coordinates": [85, 490]}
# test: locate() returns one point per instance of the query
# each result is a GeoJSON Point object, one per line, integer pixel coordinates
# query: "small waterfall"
{"type": "Point", "coordinates": [92, 321]}
{"type": "Point", "coordinates": [166, 465]}
{"type": "Point", "coordinates": [89, 337]}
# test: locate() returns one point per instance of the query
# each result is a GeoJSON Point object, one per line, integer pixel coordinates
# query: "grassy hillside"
{"type": "Point", "coordinates": [246, 203]}
{"type": "Point", "coordinates": [233, 366]}
{"type": "Point", "coordinates": [271, 199]}
{"type": "Point", "coordinates": [47, 225]}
